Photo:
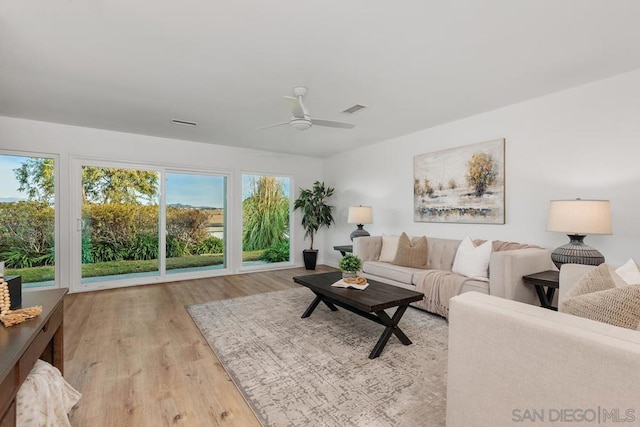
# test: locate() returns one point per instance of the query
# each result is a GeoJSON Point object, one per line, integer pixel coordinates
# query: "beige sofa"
{"type": "Point", "coordinates": [506, 268]}
{"type": "Point", "coordinates": [513, 364]}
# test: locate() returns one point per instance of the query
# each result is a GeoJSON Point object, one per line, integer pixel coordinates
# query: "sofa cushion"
{"type": "Point", "coordinates": [472, 261]}
{"type": "Point", "coordinates": [595, 280]}
{"type": "Point", "coordinates": [390, 271]}
{"type": "Point", "coordinates": [629, 273]}
{"type": "Point", "coordinates": [476, 286]}
{"type": "Point", "coordinates": [411, 254]}
{"type": "Point", "coordinates": [618, 306]}
{"type": "Point", "coordinates": [389, 248]}
{"type": "Point", "coordinates": [595, 296]}
{"type": "Point", "coordinates": [441, 253]}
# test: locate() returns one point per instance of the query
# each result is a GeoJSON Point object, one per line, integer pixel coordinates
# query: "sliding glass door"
{"type": "Point", "coordinates": [120, 223]}
{"type": "Point", "coordinates": [135, 225]}
{"type": "Point", "coordinates": [196, 222]}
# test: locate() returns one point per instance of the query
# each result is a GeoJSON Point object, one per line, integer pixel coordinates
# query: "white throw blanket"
{"type": "Point", "coordinates": [45, 398]}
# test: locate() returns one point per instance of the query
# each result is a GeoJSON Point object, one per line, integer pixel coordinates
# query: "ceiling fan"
{"type": "Point", "coordinates": [300, 119]}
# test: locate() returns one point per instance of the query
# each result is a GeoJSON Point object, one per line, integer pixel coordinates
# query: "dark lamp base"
{"type": "Point", "coordinates": [359, 232]}
{"type": "Point", "coordinates": [576, 252]}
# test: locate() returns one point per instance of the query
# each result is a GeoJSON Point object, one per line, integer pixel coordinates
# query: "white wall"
{"type": "Point", "coordinates": [70, 141]}
{"type": "Point", "coordinates": [583, 142]}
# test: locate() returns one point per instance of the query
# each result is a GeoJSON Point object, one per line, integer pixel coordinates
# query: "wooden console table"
{"type": "Point", "coordinates": [21, 345]}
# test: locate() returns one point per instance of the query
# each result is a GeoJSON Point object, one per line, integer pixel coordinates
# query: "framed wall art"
{"type": "Point", "coordinates": [460, 185]}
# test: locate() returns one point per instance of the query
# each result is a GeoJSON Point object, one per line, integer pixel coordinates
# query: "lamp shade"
{"type": "Point", "coordinates": [580, 217]}
{"type": "Point", "coordinates": [360, 215]}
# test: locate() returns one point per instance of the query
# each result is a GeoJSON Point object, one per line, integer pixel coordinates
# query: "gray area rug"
{"type": "Point", "coordinates": [316, 371]}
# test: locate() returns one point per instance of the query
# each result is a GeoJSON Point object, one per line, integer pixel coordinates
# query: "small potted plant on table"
{"type": "Point", "coordinates": [349, 265]}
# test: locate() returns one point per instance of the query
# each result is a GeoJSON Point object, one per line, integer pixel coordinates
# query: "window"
{"type": "Point", "coordinates": [27, 218]}
{"type": "Point", "coordinates": [266, 210]}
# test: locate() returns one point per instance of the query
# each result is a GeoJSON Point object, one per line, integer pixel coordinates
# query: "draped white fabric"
{"type": "Point", "coordinates": [45, 398]}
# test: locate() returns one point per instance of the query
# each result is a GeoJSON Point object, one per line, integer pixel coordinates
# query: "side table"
{"type": "Point", "coordinates": [343, 249]}
{"type": "Point", "coordinates": [549, 279]}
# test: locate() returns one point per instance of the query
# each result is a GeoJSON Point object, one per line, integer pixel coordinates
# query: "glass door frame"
{"type": "Point", "coordinates": [226, 233]}
{"type": "Point", "coordinates": [75, 225]}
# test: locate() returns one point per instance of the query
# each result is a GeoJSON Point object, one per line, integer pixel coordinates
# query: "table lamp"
{"type": "Point", "coordinates": [577, 218]}
{"type": "Point", "coordinates": [360, 215]}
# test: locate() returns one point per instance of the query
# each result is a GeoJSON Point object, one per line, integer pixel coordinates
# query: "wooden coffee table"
{"type": "Point", "coordinates": [369, 303]}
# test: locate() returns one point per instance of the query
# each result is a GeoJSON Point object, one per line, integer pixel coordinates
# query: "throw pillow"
{"type": "Point", "coordinates": [616, 306]}
{"type": "Point", "coordinates": [472, 261]}
{"type": "Point", "coordinates": [409, 255]}
{"type": "Point", "coordinates": [595, 280]}
{"type": "Point", "coordinates": [389, 248]}
{"type": "Point", "coordinates": [629, 273]}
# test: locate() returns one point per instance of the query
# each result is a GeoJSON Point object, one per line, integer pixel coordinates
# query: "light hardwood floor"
{"type": "Point", "coordinates": [138, 359]}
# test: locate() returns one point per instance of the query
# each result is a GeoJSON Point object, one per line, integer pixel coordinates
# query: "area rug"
{"type": "Point", "coordinates": [316, 371]}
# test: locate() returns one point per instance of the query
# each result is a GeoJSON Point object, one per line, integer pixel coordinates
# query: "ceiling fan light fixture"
{"type": "Point", "coordinates": [299, 123]}
{"type": "Point", "coordinates": [300, 118]}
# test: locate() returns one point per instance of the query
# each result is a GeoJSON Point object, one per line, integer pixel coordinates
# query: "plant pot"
{"type": "Point", "coordinates": [348, 274]}
{"type": "Point", "coordinates": [310, 258]}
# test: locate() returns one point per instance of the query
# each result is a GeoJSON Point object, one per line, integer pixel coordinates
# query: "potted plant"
{"type": "Point", "coordinates": [315, 214]}
{"type": "Point", "coordinates": [349, 265]}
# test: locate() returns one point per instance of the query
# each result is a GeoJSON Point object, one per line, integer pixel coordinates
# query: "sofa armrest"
{"type": "Point", "coordinates": [506, 269]}
{"type": "Point", "coordinates": [506, 357]}
{"type": "Point", "coordinates": [367, 248]}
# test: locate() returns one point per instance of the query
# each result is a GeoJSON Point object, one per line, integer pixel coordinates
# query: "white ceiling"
{"type": "Point", "coordinates": [132, 66]}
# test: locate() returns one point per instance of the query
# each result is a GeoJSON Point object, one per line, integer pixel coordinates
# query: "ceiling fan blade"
{"type": "Point", "coordinates": [332, 124]}
{"type": "Point", "coordinates": [296, 107]}
{"type": "Point", "coordinates": [272, 126]}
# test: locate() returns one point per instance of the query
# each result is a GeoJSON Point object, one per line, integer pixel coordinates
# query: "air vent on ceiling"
{"type": "Point", "coordinates": [183, 123]}
{"type": "Point", "coordinates": [354, 109]}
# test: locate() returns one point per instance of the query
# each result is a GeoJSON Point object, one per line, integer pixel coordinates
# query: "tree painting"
{"type": "Point", "coordinates": [417, 188]}
{"type": "Point", "coordinates": [474, 189]}
{"type": "Point", "coordinates": [481, 173]}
